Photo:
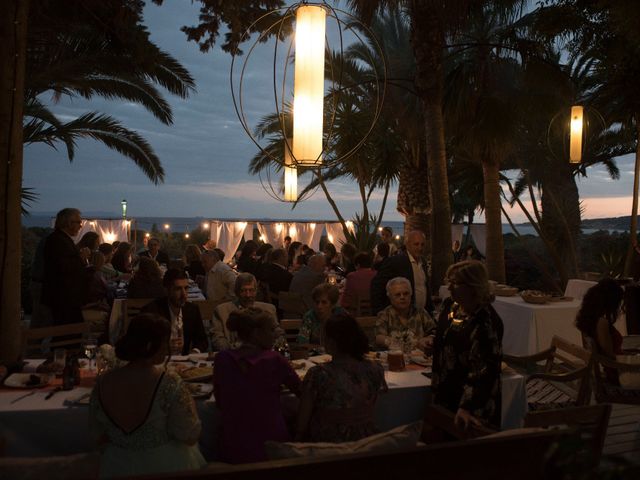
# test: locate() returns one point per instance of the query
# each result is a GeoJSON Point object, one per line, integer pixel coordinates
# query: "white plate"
{"type": "Point", "coordinates": [19, 380]}
{"type": "Point", "coordinates": [319, 359]}
{"type": "Point", "coordinates": [200, 390]}
{"type": "Point", "coordinates": [198, 357]}
{"type": "Point", "coordinates": [421, 360]}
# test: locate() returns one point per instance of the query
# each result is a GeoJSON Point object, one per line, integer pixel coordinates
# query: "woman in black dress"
{"type": "Point", "coordinates": [468, 349]}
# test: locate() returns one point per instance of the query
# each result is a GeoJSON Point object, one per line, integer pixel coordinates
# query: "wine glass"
{"type": "Point", "coordinates": [90, 345]}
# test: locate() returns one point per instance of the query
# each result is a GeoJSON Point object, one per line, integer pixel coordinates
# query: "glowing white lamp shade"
{"type": "Point", "coordinates": [575, 139]}
{"type": "Point", "coordinates": [290, 175]}
{"type": "Point", "coordinates": [308, 93]}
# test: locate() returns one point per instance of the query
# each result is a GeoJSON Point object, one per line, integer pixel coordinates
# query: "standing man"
{"type": "Point", "coordinates": [220, 279]}
{"type": "Point", "coordinates": [246, 289]}
{"type": "Point", "coordinates": [65, 281]}
{"type": "Point", "coordinates": [187, 330]}
{"type": "Point", "coordinates": [153, 252]}
{"type": "Point", "coordinates": [410, 266]}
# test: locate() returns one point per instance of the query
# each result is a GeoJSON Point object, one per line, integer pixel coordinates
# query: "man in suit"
{"type": "Point", "coordinates": [308, 277]}
{"type": "Point", "coordinates": [276, 273]}
{"type": "Point", "coordinates": [65, 277]}
{"type": "Point", "coordinates": [246, 289]}
{"type": "Point", "coordinates": [153, 251]}
{"type": "Point", "coordinates": [220, 279]}
{"type": "Point", "coordinates": [187, 330]}
{"type": "Point", "coordinates": [410, 266]}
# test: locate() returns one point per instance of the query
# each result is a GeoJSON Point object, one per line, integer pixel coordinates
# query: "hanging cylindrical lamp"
{"type": "Point", "coordinates": [575, 139]}
{"type": "Point", "coordinates": [308, 94]}
{"type": "Point", "coordinates": [290, 175]}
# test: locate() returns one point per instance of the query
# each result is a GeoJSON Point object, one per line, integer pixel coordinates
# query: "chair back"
{"type": "Point", "coordinates": [368, 324]}
{"type": "Point", "coordinates": [363, 306]}
{"type": "Point", "coordinates": [291, 304]}
{"type": "Point", "coordinates": [133, 307]}
{"type": "Point", "coordinates": [568, 358]}
{"type": "Point", "coordinates": [291, 327]}
{"type": "Point", "coordinates": [576, 288]}
{"type": "Point", "coordinates": [68, 336]}
{"type": "Point", "coordinates": [590, 421]}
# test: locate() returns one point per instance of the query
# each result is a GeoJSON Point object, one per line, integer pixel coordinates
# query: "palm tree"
{"type": "Point", "coordinates": [85, 56]}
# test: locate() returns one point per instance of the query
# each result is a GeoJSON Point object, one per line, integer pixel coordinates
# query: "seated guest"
{"type": "Point", "coordinates": [98, 293]}
{"type": "Point", "coordinates": [401, 325]}
{"type": "Point", "coordinates": [90, 240]}
{"type": "Point", "coordinates": [248, 261]}
{"type": "Point", "coordinates": [596, 318]}
{"type": "Point", "coordinates": [467, 350]}
{"type": "Point", "coordinates": [187, 330]}
{"type": "Point", "coordinates": [192, 256]}
{"type": "Point", "coordinates": [381, 256]}
{"type": "Point", "coordinates": [339, 397]}
{"type": "Point", "coordinates": [276, 274]}
{"type": "Point", "coordinates": [305, 279]}
{"type": "Point", "coordinates": [154, 253]}
{"type": "Point", "coordinates": [107, 269]}
{"type": "Point", "coordinates": [246, 289]}
{"type": "Point", "coordinates": [347, 256]}
{"type": "Point", "coordinates": [386, 237]}
{"type": "Point", "coordinates": [121, 259]}
{"type": "Point", "coordinates": [220, 280]}
{"type": "Point", "coordinates": [144, 418]}
{"type": "Point", "coordinates": [247, 388]}
{"type": "Point", "coordinates": [358, 283]}
{"type": "Point", "coordinates": [263, 255]}
{"type": "Point", "coordinates": [325, 298]}
{"type": "Point", "coordinates": [295, 249]}
{"type": "Point", "coordinates": [331, 256]}
{"type": "Point", "coordinates": [147, 281]}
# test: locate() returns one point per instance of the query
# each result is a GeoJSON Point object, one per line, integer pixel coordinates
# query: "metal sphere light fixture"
{"type": "Point", "coordinates": [306, 106]}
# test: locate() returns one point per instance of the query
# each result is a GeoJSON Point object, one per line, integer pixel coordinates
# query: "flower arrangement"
{"type": "Point", "coordinates": [404, 340]}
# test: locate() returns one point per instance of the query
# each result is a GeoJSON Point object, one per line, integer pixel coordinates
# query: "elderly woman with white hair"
{"type": "Point", "coordinates": [467, 351]}
{"type": "Point", "coordinates": [402, 325]}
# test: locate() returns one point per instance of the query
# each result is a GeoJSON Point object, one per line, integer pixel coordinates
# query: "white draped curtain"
{"type": "Point", "coordinates": [309, 234]}
{"type": "Point", "coordinates": [335, 234]}
{"type": "Point", "coordinates": [228, 236]}
{"type": "Point", "coordinates": [109, 230]}
{"type": "Point", "coordinates": [479, 234]}
{"type": "Point", "coordinates": [272, 233]}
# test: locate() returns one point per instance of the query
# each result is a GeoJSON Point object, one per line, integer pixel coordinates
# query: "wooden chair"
{"type": "Point", "coordinates": [605, 391]}
{"type": "Point", "coordinates": [438, 426]}
{"type": "Point", "coordinates": [562, 381]}
{"type": "Point", "coordinates": [291, 304]}
{"type": "Point", "coordinates": [67, 336]}
{"type": "Point", "coordinates": [368, 324]}
{"type": "Point", "coordinates": [363, 306]}
{"type": "Point", "coordinates": [591, 423]}
{"type": "Point", "coordinates": [291, 328]}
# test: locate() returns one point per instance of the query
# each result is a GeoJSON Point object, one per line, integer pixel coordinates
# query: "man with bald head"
{"type": "Point", "coordinates": [410, 266]}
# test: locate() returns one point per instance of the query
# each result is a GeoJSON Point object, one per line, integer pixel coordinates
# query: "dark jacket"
{"type": "Point", "coordinates": [193, 329]}
{"type": "Point", "coordinates": [65, 278]}
{"type": "Point", "coordinates": [396, 266]}
{"type": "Point", "coordinates": [161, 258]}
{"type": "Point", "coordinates": [278, 278]}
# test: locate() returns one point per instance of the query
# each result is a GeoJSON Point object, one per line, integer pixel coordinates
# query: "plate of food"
{"type": "Point", "coordinates": [421, 360]}
{"type": "Point", "coordinates": [501, 290]}
{"type": "Point", "coordinates": [196, 374]}
{"type": "Point", "coordinates": [27, 380]}
{"type": "Point", "coordinates": [535, 296]}
{"type": "Point", "coordinates": [199, 390]}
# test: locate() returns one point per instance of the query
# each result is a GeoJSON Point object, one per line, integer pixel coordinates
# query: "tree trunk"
{"type": "Point", "coordinates": [493, 218]}
{"type": "Point", "coordinates": [633, 227]}
{"type": "Point", "coordinates": [427, 38]}
{"type": "Point", "coordinates": [560, 219]}
{"type": "Point", "coordinates": [13, 38]}
{"type": "Point", "coordinates": [414, 200]}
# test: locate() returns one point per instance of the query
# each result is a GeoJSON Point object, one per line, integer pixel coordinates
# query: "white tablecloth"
{"type": "Point", "coordinates": [529, 328]}
{"type": "Point", "coordinates": [37, 427]}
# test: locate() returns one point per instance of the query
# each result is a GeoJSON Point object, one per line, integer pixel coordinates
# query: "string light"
{"type": "Point", "coordinates": [205, 226]}
{"type": "Point", "coordinates": [166, 226]}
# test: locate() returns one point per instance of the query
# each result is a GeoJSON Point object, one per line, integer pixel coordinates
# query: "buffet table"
{"type": "Point", "coordinates": [34, 426]}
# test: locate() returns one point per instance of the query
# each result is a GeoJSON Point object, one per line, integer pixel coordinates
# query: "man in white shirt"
{"type": "Point", "coordinates": [220, 279]}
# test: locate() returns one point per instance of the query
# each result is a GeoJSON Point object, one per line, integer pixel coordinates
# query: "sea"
{"type": "Point", "coordinates": [187, 224]}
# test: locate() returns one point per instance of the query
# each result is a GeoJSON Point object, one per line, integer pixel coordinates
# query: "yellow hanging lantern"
{"type": "Point", "coordinates": [575, 139]}
{"type": "Point", "coordinates": [290, 175]}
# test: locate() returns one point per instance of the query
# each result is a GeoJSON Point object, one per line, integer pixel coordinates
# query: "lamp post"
{"type": "Point", "coordinates": [124, 208]}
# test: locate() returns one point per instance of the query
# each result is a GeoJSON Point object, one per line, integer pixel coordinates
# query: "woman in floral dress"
{"type": "Point", "coordinates": [338, 397]}
{"type": "Point", "coordinates": [325, 299]}
{"type": "Point", "coordinates": [468, 349]}
{"type": "Point", "coordinates": [401, 325]}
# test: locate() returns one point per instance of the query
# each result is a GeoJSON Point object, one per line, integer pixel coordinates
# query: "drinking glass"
{"type": "Point", "coordinates": [90, 346]}
{"type": "Point", "coordinates": [59, 358]}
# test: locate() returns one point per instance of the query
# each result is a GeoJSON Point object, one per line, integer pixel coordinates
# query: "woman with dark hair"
{"type": "Point", "coordinates": [339, 397]}
{"type": "Point", "coordinates": [247, 388]}
{"type": "Point", "coordinates": [596, 318]}
{"type": "Point", "coordinates": [467, 349]}
{"type": "Point", "coordinates": [147, 281]}
{"type": "Point", "coordinates": [325, 298]}
{"type": "Point", "coordinates": [295, 249]}
{"type": "Point", "coordinates": [121, 259]}
{"type": "Point", "coordinates": [248, 261]}
{"type": "Point", "coordinates": [192, 255]}
{"type": "Point", "coordinates": [347, 258]}
{"type": "Point", "coordinates": [91, 240]}
{"type": "Point", "coordinates": [143, 417]}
